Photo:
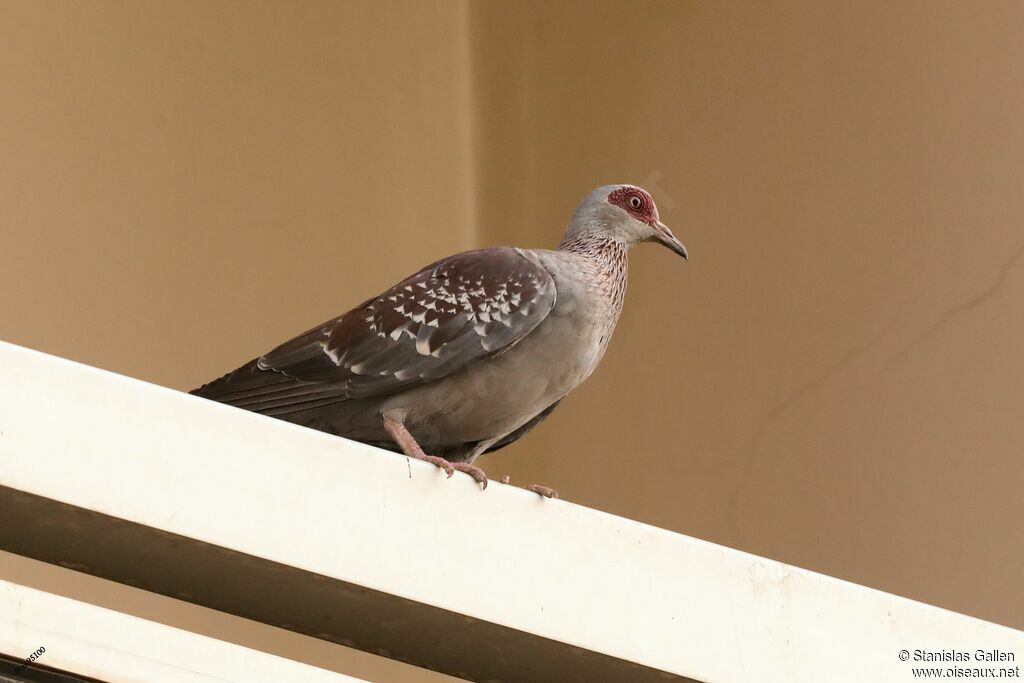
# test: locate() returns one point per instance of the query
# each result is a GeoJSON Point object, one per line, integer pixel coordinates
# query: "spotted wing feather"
{"type": "Point", "coordinates": [459, 310]}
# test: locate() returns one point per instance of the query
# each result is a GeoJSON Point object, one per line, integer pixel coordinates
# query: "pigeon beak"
{"type": "Point", "coordinates": [664, 235]}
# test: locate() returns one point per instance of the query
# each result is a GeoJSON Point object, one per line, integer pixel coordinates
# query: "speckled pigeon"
{"type": "Point", "coordinates": [466, 355]}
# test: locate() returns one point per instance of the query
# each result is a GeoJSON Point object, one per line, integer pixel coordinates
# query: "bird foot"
{"type": "Point", "coordinates": [449, 468]}
{"type": "Point", "coordinates": [536, 488]}
{"type": "Point", "coordinates": [472, 471]}
{"type": "Point", "coordinates": [542, 490]}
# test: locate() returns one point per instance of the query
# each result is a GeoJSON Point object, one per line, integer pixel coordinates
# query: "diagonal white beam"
{"type": "Point", "coordinates": [296, 528]}
{"type": "Point", "coordinates": [100, 643]}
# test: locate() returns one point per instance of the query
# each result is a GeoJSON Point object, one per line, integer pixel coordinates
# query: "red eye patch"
{"type": "Point", "coordinates": [626, 197]}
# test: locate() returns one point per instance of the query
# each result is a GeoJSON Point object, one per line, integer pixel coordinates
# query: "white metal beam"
{"type": "Point", "coordinates": [296, 528]}
{"type": "Point", "coordinates": [117, 648]}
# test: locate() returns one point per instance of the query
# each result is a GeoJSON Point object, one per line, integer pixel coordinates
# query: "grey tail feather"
{"type": "Point", "coordinates": [231, 382]}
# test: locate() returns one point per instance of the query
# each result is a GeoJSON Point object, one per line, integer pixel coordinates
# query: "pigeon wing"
{"type": "Point", "coordinates": [459, 310]}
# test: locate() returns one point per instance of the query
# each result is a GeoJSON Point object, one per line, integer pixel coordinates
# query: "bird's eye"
{"type": "Point", "coordinates": [635, 202]}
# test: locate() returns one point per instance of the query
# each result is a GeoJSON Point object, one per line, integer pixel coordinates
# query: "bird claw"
{"type": "Point", "coordinates": [472, 471]}
{"type": "Point", "coordinates": [542, 490]}
{"type": "Point", "coordinates": [545, 491]}
{"type": "Point", "coordinates": [449, 468]}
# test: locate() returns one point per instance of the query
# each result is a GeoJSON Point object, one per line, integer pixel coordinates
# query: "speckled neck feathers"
{"type": "Point", "coordinates": [604, 266]}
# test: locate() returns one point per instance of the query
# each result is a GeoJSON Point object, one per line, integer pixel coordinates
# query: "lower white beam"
{"type": "Point", "coordinates": [299, 529]}
{"type": "Point", "coordinates": [116, 648]}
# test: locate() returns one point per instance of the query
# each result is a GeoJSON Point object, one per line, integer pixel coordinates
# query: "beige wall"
{"type": "Point", "coordinates": [835, 379]}
{"type": "Point", "coordinates": [186, 183]}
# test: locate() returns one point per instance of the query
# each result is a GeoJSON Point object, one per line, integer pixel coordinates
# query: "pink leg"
{"type": "Point", "coordinates": [542, 490]}
{"type": "Point", "coordinates": [407, 442]}
{"type": "Point", "coordinates": [536, 488]}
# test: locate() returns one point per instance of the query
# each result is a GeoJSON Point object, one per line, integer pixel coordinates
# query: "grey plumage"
{"type": "Point", "coordinates": [469, 353]}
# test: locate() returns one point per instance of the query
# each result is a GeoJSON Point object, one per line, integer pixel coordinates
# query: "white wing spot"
{"type": "Point", "coordinates": [423, 346]}
{"type": "Point", "coordinates": [331, 353]}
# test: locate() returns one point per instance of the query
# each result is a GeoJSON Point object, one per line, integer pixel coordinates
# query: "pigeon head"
{"type": "Point", "coordinates": [625, 213]}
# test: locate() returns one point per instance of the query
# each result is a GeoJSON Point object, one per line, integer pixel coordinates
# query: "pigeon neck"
{"type": "Point", "coordinates": [600, 248]}
{"type": "Point", "coordinates": [604, 265]}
